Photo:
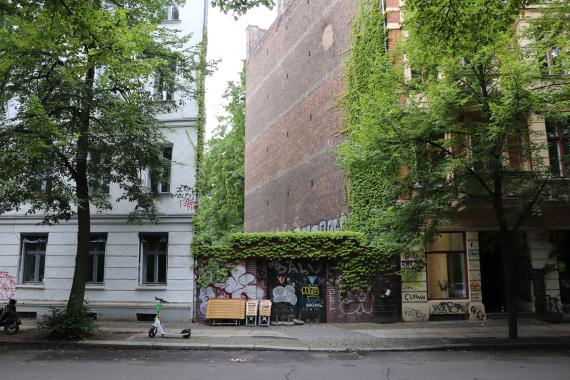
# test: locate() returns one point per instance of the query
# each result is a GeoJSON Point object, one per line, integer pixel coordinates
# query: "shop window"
{"type": "Point", "coordinates": [153, 259]}
{"type": "Point", "coordinates": [97, 259]}
{"type": "Point", "coordinates": [558, 134]}
{"type": "Point", "coordinates": [445, 266]}
{"type": "Point", "coordinates": [33, 258]}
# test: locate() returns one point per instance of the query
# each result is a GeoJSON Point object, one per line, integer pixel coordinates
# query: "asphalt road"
{"type": "Point", "coordinates": [236, 365]}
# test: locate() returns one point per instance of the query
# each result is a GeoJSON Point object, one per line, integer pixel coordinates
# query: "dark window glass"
{"type": "Point", "coordinates": [97, 259]}
{"type": "Point", "coordinates": [33, 256]}
{"type": "Point", "coordinates": [154, 259]}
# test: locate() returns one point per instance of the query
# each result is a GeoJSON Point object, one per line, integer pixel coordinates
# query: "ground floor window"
{"type": "Point", "coordinates": [97, 245]}
{"type": "Point", "coordinates": [446, 267]}
{"type": "Point", "coordinates": [153, 259]}
{"type": "Point", "coordinates": [33, 258]}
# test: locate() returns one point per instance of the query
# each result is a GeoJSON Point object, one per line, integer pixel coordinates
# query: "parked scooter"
{"type": "Point", "coordinates": [9, 318]}
{"type": "Point", "coordinates": [158, 328]}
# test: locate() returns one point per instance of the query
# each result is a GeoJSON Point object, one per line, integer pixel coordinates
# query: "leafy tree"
{"type": "Point", "coordinates": [222, 200]}
{"type": "Point", "coordinates": [78, 80]}
{"type": "Point", "coordinates": [438, 127]}
{"type": "Point", "coordinates": [239, 7]}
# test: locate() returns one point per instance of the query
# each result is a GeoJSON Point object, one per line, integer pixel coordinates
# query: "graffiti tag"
{"type": "Point", "coordinates": [310, 291]}
{"type": "Point", "coordinates": [449, 308]}
{"type": "Point", "coordinates": [7, 285]}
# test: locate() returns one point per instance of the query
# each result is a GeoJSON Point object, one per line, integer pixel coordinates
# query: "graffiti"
{"type": "Point", "coordinates": [475, 286]}
{"type": "Point", "coordinates": [415, 297]}
{"type": "Point", "coordinates": [476, 296]}
{"type": "Point", "coordinates": [313, 303]}
{"type": "Point", "coordinates": [477, 312]}
{"type": "Point", "coordinates": [285, 294]}
{"type": "Point", "coordinates": [449, 308]}
{"type": "Point", "coordinates": [553, 305]}
{"type": "Point", "coordinates": [474, 265]}
{"type": "Point", "coordinates": [7, 285]}
{"type": "Point", "coordinates": [296, 268]}
{"type": "Point", "coordinates": [330, 225]}
{"type": "Point", "coordinates": [413, 265]}
{"type": "Point", "coordinates": [333, 298]}
{"type": "Point", "coordinates": [186, 197]}
{"type": "Point", "coordinates": [473, 254]}
{"type": "Point", "coordinates": [240, 284]}
{"type": "Point", "coordinates": [411, 314]}
{"type": "Point", "coordinates": [360, 303]}
{"type": "Point", "coordinates": [310, 291]}
{"type": "Point", "coordinates": [414, 287]}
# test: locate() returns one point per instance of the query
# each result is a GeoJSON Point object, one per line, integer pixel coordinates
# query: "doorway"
{"type": "Point", "coordinates": [492, 279]}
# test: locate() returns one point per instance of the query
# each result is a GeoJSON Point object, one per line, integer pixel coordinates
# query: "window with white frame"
{"type": "Point", "coordinates": [164, 82]}
{"type": "Point", "coordinates": [558, 136]}
{"type": "Point", "coordinates": [153, 259]}
{"type": "Point", "coordinates": [33, 258]}
{"type": "Point", "coordinates": [97, 245]}
{"type": "Point", "coordinates": [159, 181]}
{"type": "Point", "coordinates": [172, 13]}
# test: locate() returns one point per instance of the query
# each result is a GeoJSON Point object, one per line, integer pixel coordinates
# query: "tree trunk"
{"type": "Point", "coordinates": [77, 293]}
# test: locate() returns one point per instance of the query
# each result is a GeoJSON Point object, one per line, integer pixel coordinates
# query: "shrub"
{"type": "Point", "coordinates": [69, 325]}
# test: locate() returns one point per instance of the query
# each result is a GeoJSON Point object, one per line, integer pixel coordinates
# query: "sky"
{"type": "Point", "coordinates": [226, 41]}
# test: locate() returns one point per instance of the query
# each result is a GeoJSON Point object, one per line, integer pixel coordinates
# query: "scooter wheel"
{"type": "Point", "coordinates": [186, 333]}
{"type": "Point", "coordinates": [152, 332]}
{"type": "Point", "coordinates": [11, 328]}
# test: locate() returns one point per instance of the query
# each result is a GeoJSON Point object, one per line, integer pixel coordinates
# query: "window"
{"type": "Point", "coordinates": [153, 259]}
{"type": "Point", "coordinates": [99, 173]}
{"type": "Point", "coordinates": [445, 266]}
{"type": "Point", "coordinates": [33, 258]}
{"type": "Point", "coordinates": [558, 135]}
{"type": "Point", "coordinates": [165, 80]}
{"type": "Point", "coordinates": [97, 245]}
{"type": "Point", "coordinates": [160, 180]}
{"type": "Point", "coordinates": [172, 13]}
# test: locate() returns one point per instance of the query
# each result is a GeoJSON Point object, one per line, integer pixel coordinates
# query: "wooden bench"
{"type": "Point", "coordinates": [222, 311]}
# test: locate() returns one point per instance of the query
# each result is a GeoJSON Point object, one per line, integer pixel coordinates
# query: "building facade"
{"type": "Point", "coordinates": [295, 79]}
{"type": "Point", "coordinates": [293, 124]}
{"type": "Point", "coordinates": [130, 264]}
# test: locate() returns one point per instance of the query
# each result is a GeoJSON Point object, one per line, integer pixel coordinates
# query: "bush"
{"type": "Point", "coordinates": [62, 324]}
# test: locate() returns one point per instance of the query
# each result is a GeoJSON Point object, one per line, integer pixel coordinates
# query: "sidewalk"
{"type": "Point", "coordinates": [324, 337]}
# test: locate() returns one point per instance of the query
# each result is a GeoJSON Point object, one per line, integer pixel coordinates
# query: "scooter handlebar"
{"type": "Point", "coordinates": [161, 300]}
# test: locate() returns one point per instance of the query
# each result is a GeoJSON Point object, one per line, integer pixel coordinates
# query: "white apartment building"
{"type": "Point", "coordinates": [130, 264]}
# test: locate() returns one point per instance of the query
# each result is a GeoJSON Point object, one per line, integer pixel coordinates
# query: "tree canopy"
{"type": "Point", "coordinates": [222, 183]}
{"type": "Point", "coordinates": [439, 124]}
{"type": "Point", "coordinates": [82, 84]}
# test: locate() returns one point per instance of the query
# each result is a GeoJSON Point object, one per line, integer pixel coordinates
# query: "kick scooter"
{"type": "Point", "coordinates": [158, 328]}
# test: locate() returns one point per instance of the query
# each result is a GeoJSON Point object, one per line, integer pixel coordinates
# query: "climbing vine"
{"type": "Point", "coordinates": [203, 68]}
{"type": "Point", "coordinates": [356, 262]}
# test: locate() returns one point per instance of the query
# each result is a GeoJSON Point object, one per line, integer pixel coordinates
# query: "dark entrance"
{"type": "Point", "coordinates": [562, 250]}
{"type": "Point", "coordinates": [297, 289]}
{"type": "Point", "coordinates": [492, 280]}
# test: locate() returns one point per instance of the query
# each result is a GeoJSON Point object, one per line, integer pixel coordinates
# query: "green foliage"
{"type": "Point", "coordinates": [356, 262]}
{"type": "Point", "coordinates": [426, 150]}
{"type": "Point", "coordinates": [222, 180]}
{"type": "Point", "coordinates": [81, 77]}
{"type": "Point", "coordinates": [69, 325]}
{"type": "Point", "coordinates": [213, 271]}
{"type": "Point", "coordinates": [201, 126]}
{"type": "Point", "coordinates": [240, 7]}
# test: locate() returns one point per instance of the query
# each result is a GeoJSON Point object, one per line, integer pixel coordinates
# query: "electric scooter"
{"type": "Point", "coordinates": [158, 328]}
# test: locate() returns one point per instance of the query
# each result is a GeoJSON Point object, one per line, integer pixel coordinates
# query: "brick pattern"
{"type": "Point", "coordinates": [295, 80]}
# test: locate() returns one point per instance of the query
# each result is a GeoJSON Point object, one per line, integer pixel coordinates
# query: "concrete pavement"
{"type": "Point", "coordinates": [327, 337]}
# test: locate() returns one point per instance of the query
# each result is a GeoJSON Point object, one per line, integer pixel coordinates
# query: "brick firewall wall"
{"type": "Point", "coordinates": [294, 82]}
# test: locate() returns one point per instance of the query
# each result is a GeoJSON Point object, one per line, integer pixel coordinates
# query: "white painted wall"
{"type": "Point", "coordinates": [121, 296]}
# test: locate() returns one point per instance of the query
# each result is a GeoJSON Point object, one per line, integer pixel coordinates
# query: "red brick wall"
{"type": "Point", "coordinates": [294, 82]}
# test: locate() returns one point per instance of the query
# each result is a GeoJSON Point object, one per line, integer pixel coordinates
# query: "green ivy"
{"type": "Point", "coordinates": [201, 122]}
{"type": "Point", "coordinates": [356, 262]}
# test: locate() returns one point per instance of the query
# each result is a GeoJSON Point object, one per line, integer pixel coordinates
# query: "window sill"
{"type": "Point", "coordinates": [171, 21]}
{"type": "Point", "coordinates": [30, 286]}
{"type": "Point", "coordinates": [94, 286]}
{"type": "Point", "coordinates": [151, 287]}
